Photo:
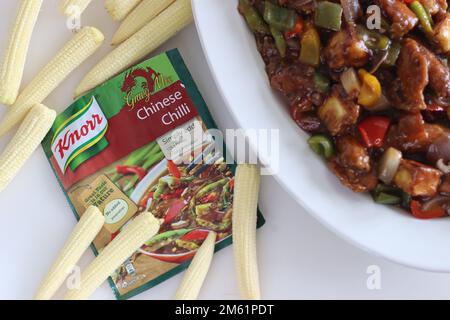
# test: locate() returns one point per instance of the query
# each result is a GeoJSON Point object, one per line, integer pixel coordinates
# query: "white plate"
{"type": "Point", "coordinates": [150, 178]}
{"type": "Point", "coordinates": [239, 73]}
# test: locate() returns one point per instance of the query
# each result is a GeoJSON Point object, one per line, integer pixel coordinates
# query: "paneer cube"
{"type": "Point", "coordinates": [417, 179]}
{"type": "Point", "coordinates": [444, 188]}
{"type": "Point", "coordinates": [352, 154]}
{"type": "Point", "coordinates": [442, 33]}
{"type": "Point", "coordinates": [346, 49]}
{"type": "Point", "coordinates": [337, 113]}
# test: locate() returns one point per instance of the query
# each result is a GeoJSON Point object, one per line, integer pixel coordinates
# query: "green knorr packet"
{"type": "Point", "coordinates": [138, 143]}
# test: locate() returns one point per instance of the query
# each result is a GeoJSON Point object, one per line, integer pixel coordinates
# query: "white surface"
{"type": "Point", "coordinates": [240, 74]}
{"type": "Point", "coordinates": [299, 258]}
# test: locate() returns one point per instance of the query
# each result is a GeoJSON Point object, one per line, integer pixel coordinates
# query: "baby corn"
{"type": "Point", "coordinates": [155, 33]}
{"type": "Point", "coordinates": [12, 69]}
{"type": "Point", "coordinates": [244, 230]}
{"type": "Point", "coordinates": [197, 271]}
{"type": "Point", "coordinates": [119, 9]}
{"type": "Point", "coordinates": [28, 137]}
{"type": "Point", "coordinates": [88, 227]}
{"type": "Point", "coordinates": [70, 7]}
{"type": "Point", "coordinates": [78, 49]}
{"type": "Point", "coordinates": [140, 230]}
{"type": "Point", "coordinates": [139, 17]}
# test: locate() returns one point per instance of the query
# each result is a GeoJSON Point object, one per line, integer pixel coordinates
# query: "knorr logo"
{"type": "Point", "coordinates": [80, 137]}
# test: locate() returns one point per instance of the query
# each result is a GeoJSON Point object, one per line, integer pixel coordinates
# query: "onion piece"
{"type": "Point", "coordinates": [350, 82]}
{"type": "Point", "coordinates": [442, 101]}
{"type": "Point", "coordinates": [436, 203]}
{"type": "Point", "coordinates": [382, 104]}
{"type": "Point", "coordinates": [378, 60]}
{"type": "Point", "coordinates": [351, 9]}
{"type": "Point", "coordinates": [389, 163]}
{"type": "Point", "coordinates": [445, 168]}
{"type": "Point", "coordinates": [439, 149]}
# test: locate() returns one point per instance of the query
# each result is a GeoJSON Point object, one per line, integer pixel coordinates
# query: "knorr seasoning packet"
{"type": "Point", "coordinates": [141, 142]}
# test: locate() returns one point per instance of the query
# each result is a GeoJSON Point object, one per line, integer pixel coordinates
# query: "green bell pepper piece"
{"type": "Point", "coordinates": [385, 194]}
{"type": "Point", "coordinates": [280, 42]}
{"type": "Point", "coordinates": [254, 20]}
{"type": "Point", "coordinates": [424, 16]}
{"type": "Point", "coordinates": [279, 17]}
{"type": "Point", "coordinates": [322, 145]}
{"type": "Point", "coordinates": [393, 54]}
{"type": "Point", "coordinates": [310, 48]}
{"type": "Point", "coordinates": [329, 15]}
{"type": "Point", "coordinates": [211, 187]}
{"type": "Point", "coordinates": [167, 235]}
{"type": "Point", "coordinates": [385, 198]}
{"type": "Point", "coordinates": [321, 82]}
{"type": "Point", "coordinates": [372, 39]}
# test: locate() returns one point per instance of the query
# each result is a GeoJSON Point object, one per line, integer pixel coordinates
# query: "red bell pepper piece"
{"type": "Point", "coordinates": [296, 113]}
{"type": "Point", "coordinates": [231, 184]}
{"type": "Point", "coordinates": [179, 192]}
{"type": "Point", "coordinates": [174, 211]}
{"type": "Point", "coordinates": [434, 107]}
{"type": "Point", "coordinates": [114, 235]}
{"type": "Point", "coordinates": [173, 169]}
{"type": "Point", "coordinates": [125, 170]}
{"type": "Point", "coordinates": [174, 195]}
{"type": "Point", "coordinates": [416, 210]}
{"type": "Point", "coordinates": [373, 130]}
{"type": "Point", "coordinates": [212, 197]}
{"type": "Point", "coordinates": [195, 235]}
{"type": "Point", "coordinates": [144, 201]}
{"type": "Point", "coordinates": [295, 31]}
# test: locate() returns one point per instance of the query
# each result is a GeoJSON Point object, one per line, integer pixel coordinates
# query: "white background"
{"type": "Point", "coordinates": [299, 259]}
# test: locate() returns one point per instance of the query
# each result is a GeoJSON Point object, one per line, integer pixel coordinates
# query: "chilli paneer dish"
{"type": "Point", "coordinates": [191, 200]}
{"type": "Point", "coordinates": [370, 82]}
